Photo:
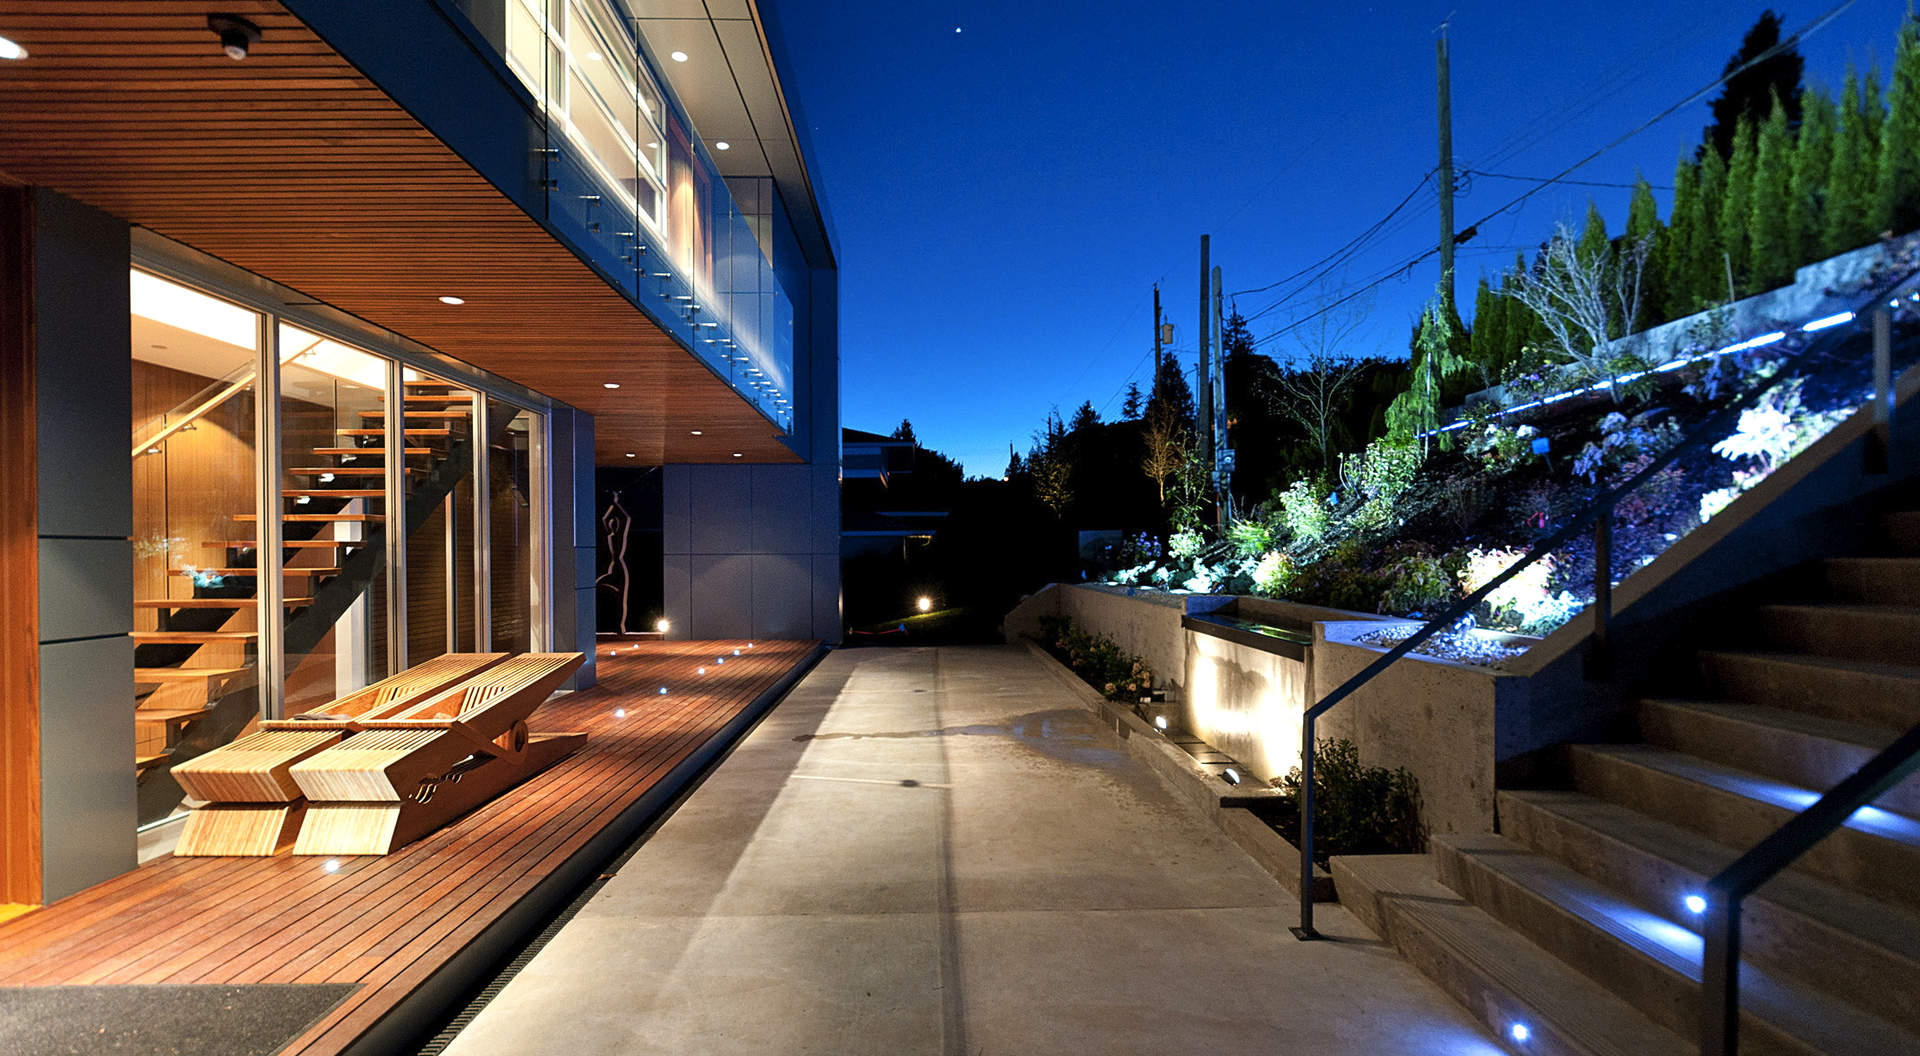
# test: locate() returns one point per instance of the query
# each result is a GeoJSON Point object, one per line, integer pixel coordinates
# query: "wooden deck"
{"type": "Point", "coordinates": [413, 928]}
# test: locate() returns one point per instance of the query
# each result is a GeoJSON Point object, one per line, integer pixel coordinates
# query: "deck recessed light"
{"type": "Point", "coordinates": [663, 691]}
{"type": "Point", "coordinates": [10, 50]}
{"type": "Point", "coordinates": [678, 56]}
{"type": "Point", "coordinates": [609, 384]}
{"type": "Point", "coordinates": [331, 865]}
{"type": "Point", "coordinates": [453, 300]}
{"type": "Point", "coordinates": [619, 713]}
{"type": "Point", "coordinates": [699, 670]}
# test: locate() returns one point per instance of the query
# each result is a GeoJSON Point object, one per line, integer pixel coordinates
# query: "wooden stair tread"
{"type": "Point", "coordinates": [142, 762]}
{"type": "Point", "coordinates": [208, 603]}
{"type": "Point", "coordinates": [189, 637]}
{"type": "Point", "coordinates": [356, 451]}
{"type": "Point", "coordinates": [184, 674]}
{"type": "Point", "coordinates": [383, 432]}
{"type": "Point", "coordinates": [418, 414]}
{"type": "Point", "coordinates": [308, 518]}
{"type": "Point", "coordinates": [334, 493]}
{"type": "Point", "coordinates": [349, 471]}
{"type": "Point", "coordinates": [248, 544]}
{"type": "Point", "coordinates": [436, 397]}
{"type": "Point", "coordinates": [250, 573]}
{"type": "Point", "coordinates": [180, 713]}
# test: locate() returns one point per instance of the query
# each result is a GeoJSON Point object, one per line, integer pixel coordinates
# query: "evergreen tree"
{"type": "Point", "coordinates": [1807, 186]}
{"type": "Point", "coordinates": [904, 431]}
{"type": "Point", "coordinates": [1749, 94]}
{"type": "Point", "coordinates": [1489, 330]}
{"type": "Point", "coordinates": [1896, 191]}
{"type": "Point", "coordinates": [1846, 222]}
{"type": "Point", "coordinates": [1771, 260]}
{"type": "Point", "coordinates": [1676, 254]}
{"type": "Point", "coordinates": [1130, 406]}
{"type": "Point", "coordinates": [1706, 268]}
{"type": "Point", "coordinates": [1736, 206]}
{"type": "Point", "coordinates": [1595, 243]}
{"type": "Point", "coordinates": [1171, 396]}
{"type": "Point", "coordinates": [1084, 418]}
{"type": "Point", "coordinates": [1416, 411]}
{"type": "Point", "coordinates": [1643, 224]}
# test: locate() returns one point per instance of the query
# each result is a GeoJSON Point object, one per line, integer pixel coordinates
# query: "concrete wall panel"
{"type": "Point", "coordinates": [782, 595]}
{"type": "Point", "coordinates": [721, 515]}
{"type": "Point", "coordinates": [86, 763]}
{"type": "Point", "coordinates": [86, 588]}
{"type": "Point", "coordinates": [722, 591]}
{"type": "Point", "coordinates": [780, 505]}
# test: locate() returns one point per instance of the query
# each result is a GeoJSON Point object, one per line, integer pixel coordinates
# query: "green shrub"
{"type": "Point", "coordinates": [1097, 659]}
{"type": "Point", "coordinates": [1356, 809]}
{"type": "Point", "coordinates": [1250, 538]}
{"type": "Point", "coordinates": [1303, 511]}
{"type": "Point", "coordinates": [1415, 583]}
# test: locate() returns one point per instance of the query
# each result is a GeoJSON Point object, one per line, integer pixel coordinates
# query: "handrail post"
{"type": "Point", "coordinates": [1720, 978]}
{"type": "Point", "coordinates": [1597, 657]}
{"type": "Point", "coordinates": [1880, 448]}
{"type": "Point", "coordinates": [1305, 931]}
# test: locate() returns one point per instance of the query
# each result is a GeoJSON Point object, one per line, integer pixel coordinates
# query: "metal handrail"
{"type": "Point", "coordinates": [1597, 515]}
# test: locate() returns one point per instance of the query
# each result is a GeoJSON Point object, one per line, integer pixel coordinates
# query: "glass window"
{"type": "Point", "coordinates": [196, 640]}
{"type": "Point", "coordinates": [510, 543]}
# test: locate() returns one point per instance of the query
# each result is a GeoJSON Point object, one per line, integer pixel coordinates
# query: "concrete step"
{"type": "Point", "coordinates": [1902, 531]}
{"type": "Point", "coordinates": [1800, 749]}
{"type": "Point", "coordinates": [1873, 580]}
{"type": "Point", "coordinates": [1868, 692]}
{"type": "Point", "coordinates": [1876, 852]}
{"type": "Point", "coordinates": [1797, 926]}
{"type": "Point", "coordinates": [1498, 976]}
{"type": "Point", "coordinates": [1647, 960]}
{"type": "Point", "coordinates": [1853, 632]}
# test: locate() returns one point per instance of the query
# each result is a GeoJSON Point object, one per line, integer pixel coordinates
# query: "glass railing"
{"type": "Point", "coordinates": [628, 182]}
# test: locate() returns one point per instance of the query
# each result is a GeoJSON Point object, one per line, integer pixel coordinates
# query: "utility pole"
{"type": "Point", "coordinates": [1205, 389]}
{"type": "Point", "coordinates": [1156, 332]}
{"type": "Point", "coordinates": [1222, 468]}
{"type": "Point", "coordinates": [1447, 303]}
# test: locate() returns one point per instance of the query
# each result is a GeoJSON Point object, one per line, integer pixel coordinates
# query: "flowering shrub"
{"type": "Point", "coordinates": [1303, 511]}
{"type": "Point", "coordinates": [1185, 544]}
{"type": "Point", "coordinates": [1527, 602]}
{"type": "Point", "coordinates": [1623, 439]}
{"type": "Point", "coordinates": [1501, 448]}
{"type": "Point", "coordinates": [1096, 659]}
{"type": "Point", "coordinates": [1274, 574]}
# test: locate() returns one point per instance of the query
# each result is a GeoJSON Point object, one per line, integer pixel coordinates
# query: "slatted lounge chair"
{"type": "Point", "coordinates": [414, 769]}
{"type": "Point", "coordinates": [252, 803]}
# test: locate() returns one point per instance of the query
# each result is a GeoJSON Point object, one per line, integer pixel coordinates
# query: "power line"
{"type": "Point", "coordinates": [1361, 237]}
{"type": "Point", "coordinates": [1549, 179]}
{"type": "Point", "coordinates": [1561, 176]}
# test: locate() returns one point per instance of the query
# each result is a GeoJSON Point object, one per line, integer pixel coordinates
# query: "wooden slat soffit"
{"type": "Point", "coordinates": [294, 166]}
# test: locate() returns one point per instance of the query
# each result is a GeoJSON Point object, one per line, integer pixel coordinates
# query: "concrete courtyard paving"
{"type": "Point", "coordinates": [936, 851]}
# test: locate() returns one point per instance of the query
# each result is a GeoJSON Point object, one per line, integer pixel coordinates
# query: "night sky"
{"type": "Point", "coordinates": [1005, 196]}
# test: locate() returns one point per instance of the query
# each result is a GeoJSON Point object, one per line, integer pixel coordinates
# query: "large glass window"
{"type": "Point", "coordinates": [400, 522]}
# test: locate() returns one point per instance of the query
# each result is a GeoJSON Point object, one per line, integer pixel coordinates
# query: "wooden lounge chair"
{"type": "Point", "coordinates": [413, 769]}
{"type": "Point", "coordinates": [252, 803]}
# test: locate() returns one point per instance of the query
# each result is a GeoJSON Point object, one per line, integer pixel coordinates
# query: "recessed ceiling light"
{"type": "Point", "coordinates": [655, 145]}
{"type": "Point", "coordinates": [453, 300]}
{"type": "Point", "coordinates": [696, 432]}
{"type": "Point", "coordinates": [723, 145]}
{"type": "Point", "coordinates": [609, 384]}
{"type": "Point", "coordinates": [630, 454]}
{"type": "Point", "coordinates": [10, 50]}
{"type": "Point", "coordinates": [593, 56]}
{"type": "Point", "coordinates": [678, 56]}
{"type": "Point", "coordinates": [737, 454]}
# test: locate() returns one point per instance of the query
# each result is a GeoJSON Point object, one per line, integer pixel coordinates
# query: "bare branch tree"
{"type": "Point", "coordinates": [1311, 391]}
{"type": "Point", "coordinates": [1166, 441]}
{"type": "Point", "coordinates": [1586, 300]}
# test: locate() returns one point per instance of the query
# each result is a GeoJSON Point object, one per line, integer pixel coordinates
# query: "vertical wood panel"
{"type": "Point", "coordinates": [19, 562]}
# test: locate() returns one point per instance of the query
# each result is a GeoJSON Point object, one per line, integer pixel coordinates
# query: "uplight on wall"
{"type": "Point", "coordinates": [662, 625]}
{"type": "Point", "coordinates": [925, 604]}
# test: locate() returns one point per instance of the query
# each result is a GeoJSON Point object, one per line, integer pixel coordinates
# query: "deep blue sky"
{"type": "Point", "coordinates": [1006, 196]}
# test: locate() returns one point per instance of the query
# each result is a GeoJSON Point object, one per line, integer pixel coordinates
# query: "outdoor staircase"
{"type": "Point", "coordinates": [1570, 930]}
{"type": "Point", "coordinates": [203, 647]}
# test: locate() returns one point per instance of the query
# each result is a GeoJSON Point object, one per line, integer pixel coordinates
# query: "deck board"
{"type": "Point", "coordinates": [390, 923]}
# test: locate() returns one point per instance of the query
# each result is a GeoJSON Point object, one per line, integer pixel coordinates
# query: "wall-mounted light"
{"type": "Point", "coordinates": [237, 35]}
{"type": "Point", "coordinates": [10, 50]}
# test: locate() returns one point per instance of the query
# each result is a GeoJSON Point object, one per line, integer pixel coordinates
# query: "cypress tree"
{"type": "Point", "coordinates": [1706, 274]}
{"type": "Point", "coordinates": [1594, 241]}
{"type": "Point", "coordinates": [1643, 223]}
{"type": "Point", "coordinates": [1736, 206]}
{"type": "Point", "coordinates": [1807, 186]}
{"type": "Point", "coordinates": [1850, 178]}
{"type": "Point", "coordinates": [1489, 338]}
{"type": "Point", "coordinates": [1676, 291]}
{"type": "Point", "coordinates": [1896, 191]}
{"type": "Point", "coordinates": [1771, 260]}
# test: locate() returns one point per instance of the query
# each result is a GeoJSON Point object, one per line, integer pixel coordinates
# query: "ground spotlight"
{"type": "Point", "coordinates": [925, 604]}
{"type": "Point", "coordinates": [662, 625]}
{"type": "Point", "coordinates": [1519, 1032]}
{"type": "Point", "coordinates": [1696, 904]}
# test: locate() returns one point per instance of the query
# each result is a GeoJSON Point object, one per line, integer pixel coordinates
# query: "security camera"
{"type": "Point", "coordinates": [236, 34]}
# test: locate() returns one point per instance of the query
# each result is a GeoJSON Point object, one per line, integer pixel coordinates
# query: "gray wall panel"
{"type": "Point", "coordinates": [826, 597]}
{"type": "Point", "coordinates": [86, 588]}
{"type": "Point", "coordinates": [780, 524]}
{"type": "Point", "coordinates": [676, 509]}
{"type": "Point", "coordinates": [782, 595]}
{"type": "Point", "coordinates": [86, 763]}
{"type": "Point", "coordinates": [721, 510]}
{"type": "Point", "coordinates": [722, 592]}
{"type": "Point", "coordinates": [82, 332]}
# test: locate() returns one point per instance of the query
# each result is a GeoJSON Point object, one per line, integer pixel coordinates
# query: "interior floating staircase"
{"type": "Point", "coordinates": [203, 648]}
{"type": "Point", "coordinates": [1576, 929]}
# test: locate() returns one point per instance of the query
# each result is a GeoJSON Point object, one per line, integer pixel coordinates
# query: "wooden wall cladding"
{"type": "Point", "coordinates": [19, 562]}
{"type": "Point", "coordinates": [292, 165]}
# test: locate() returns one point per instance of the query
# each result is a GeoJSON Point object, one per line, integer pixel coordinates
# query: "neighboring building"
{"type": "Point", "coordinates": [560, 235]}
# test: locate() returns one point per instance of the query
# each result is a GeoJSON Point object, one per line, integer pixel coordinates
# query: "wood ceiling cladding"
{"type": "Point", "coordinates": [294, 166]}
